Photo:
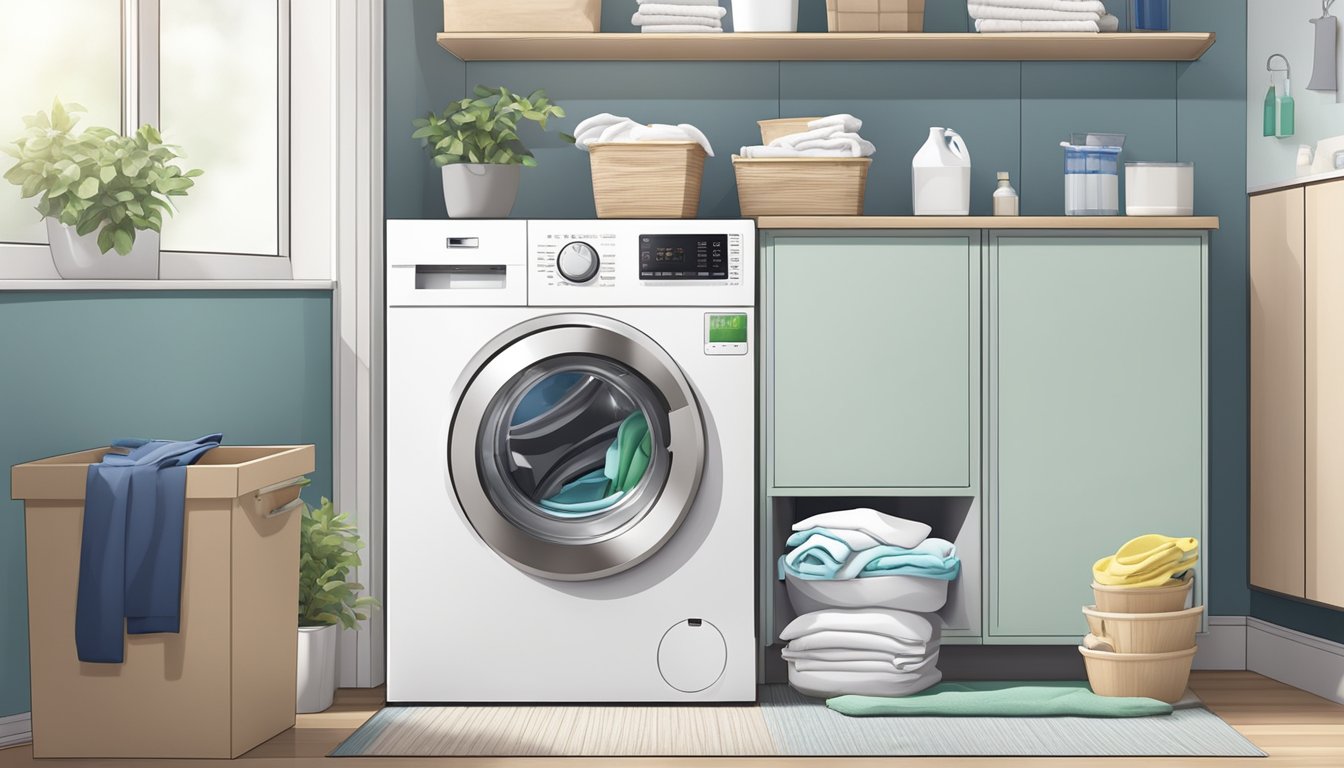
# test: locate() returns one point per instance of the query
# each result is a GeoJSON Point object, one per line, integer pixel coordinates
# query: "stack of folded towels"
{"type": "Point", "coordinates": [1041, 16]}
{"type": "Point", "coordinates": [877, 650]}
{"type": "Point", "coordinates": [834, 136]}
{"type": "Point", "coordinates": [679, 16]}
{"type": "Point", "coordinates": [607, 128]}
{"type": "Point", "coordinates": [866, 651]}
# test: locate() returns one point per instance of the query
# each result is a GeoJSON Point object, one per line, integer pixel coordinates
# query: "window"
{"type": "Point", "coordinates": [212, 75]}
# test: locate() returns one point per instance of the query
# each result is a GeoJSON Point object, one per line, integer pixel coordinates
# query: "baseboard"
{"type": "Point", "coordinates": [16, 729]}
{"type": "Point", "coordinates": [1303, 661]}
{"type": "Point", "coordinates": [1224, 647]}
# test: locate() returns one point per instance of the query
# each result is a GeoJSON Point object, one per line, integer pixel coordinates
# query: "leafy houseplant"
{"type": "Point", "coordinates": [328, 548]}
{"type": "Point", "coordinates": [475, 143]}
{"type": "Point", "coordinates": [97, 181]}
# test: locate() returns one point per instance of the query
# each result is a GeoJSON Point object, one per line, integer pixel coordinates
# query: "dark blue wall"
{"type": "Point", "coordinates": [1013, 116]}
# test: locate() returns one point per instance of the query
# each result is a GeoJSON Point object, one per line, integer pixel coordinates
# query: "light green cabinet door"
{"type": "Point", "coordinates": [872, 352]}
{"type": "Point", "coordinates": [1097, 410]}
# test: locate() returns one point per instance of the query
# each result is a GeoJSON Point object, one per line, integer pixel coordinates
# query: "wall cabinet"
{"type": "Point", "coordinates": [873, 362]}
{"type": "Point", "coordinates": [1297, 374]}
{"type": "Point", "coordinates": [1095, 430]}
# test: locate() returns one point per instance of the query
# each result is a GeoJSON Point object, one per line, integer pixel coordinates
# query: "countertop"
{"type": "Point", "coordinates": [1297, 181]}
{"type": "Point", "coordinates": [988, 222]}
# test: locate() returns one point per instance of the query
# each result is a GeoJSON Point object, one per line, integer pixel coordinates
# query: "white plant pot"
{"type": "Point", "coordinates": [78, 258]}
{"type": "Point", "coordinates": [317, 668]}
{"type": "Point", "coordinates": [765, 15]}
{"type": "Point", "coordinates": [479, 191]}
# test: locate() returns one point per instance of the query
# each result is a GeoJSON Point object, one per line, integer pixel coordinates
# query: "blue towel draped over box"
{"type": "Point", "coordinates": [130, 558]}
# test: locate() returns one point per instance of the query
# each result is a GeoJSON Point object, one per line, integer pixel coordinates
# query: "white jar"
{"type": "Point", "coordinates": [765, 15]}
{"type": "Point", "coordinates": [1159, 189]}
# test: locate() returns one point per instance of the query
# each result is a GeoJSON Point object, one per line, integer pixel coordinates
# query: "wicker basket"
{"type": "Point", "coordinates": [784, 126]}
{"type": "Point", "coordinates": [875, 15]}
{"type": "Point", "coordinates": [522, 15]}
{"type": "Point", "coordinates": [647, 179]}
{"type": "Point", "coordinates": [802, 186]}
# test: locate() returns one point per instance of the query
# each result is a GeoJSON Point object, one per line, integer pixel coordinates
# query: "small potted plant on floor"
{"type": "Point", "coordinates": [328, 548]}
{"type": "Point", "coordinates": [475, 141]}
{"type": "Point", "coordinates": [98, 191]}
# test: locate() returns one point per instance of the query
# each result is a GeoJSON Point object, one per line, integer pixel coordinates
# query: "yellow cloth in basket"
{"type": "Point", "coordinates": [1147, 561]}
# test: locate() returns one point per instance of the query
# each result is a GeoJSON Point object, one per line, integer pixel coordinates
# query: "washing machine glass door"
{"type": "Point", "coordinates": [577, 446]}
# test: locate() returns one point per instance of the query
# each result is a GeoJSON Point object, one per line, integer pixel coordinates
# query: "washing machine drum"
{"type": "Point", "coordinates": [577, 446]}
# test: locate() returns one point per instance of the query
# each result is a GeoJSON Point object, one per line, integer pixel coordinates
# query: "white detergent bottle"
{"type": "Point", "coordinates": [941, 175]}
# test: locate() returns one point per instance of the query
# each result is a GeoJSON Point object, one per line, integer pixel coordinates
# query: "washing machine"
{"type": "Point", "coordinates": [571, 461]}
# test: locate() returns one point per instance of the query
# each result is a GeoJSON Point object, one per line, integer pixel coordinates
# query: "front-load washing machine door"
{"type": "Point", "coordinates": [577, 446]}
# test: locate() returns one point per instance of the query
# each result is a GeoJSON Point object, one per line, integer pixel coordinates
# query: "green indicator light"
{"type": "Point", "coordinates": [728, 329]}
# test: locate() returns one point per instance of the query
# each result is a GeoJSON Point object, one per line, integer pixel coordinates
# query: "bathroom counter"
{"type": "Point", "coordinates": [988, 222]}
{"type": "Point", "coordinates": [1297, 181]}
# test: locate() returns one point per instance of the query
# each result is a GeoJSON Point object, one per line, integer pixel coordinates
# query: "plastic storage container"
{"type": "Point", "coordinates": [1161, 676]}
{"type": "Point", "coordinates": [1091, 180]}
{"type": "Point", "coordinates": [1150, 15]}
{"type": "Point", "coordinates": [226, 681]}
{"type": "Point", "coordinates": [765, 15]}
{"type": "Point", "coordinates": [1159, 189]}
{"type": "Point", "coordinates": [1142, 632]}
{"type": "Point", "coordinates": [647, 179]}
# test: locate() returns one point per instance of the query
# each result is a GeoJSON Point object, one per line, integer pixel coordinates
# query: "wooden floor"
{"type": "Point", "coordinates": [1297, 729]}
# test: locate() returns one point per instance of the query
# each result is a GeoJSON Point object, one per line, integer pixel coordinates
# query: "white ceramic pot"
{"type": "Point", "coordinates": [765, 15]}
{"type": "Point", "coordinates": [317, 667]}
{"type": "Point", "coordinates": [78, 258]}
{"type": "Point", "coordinates": [480, 191]}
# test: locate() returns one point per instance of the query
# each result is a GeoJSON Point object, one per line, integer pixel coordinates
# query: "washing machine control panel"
{"type": "Point", "coordinates": [641, 263]}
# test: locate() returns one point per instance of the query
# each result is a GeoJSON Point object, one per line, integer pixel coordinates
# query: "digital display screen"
{"type": "Point", "coordinates": [683, 257]}
{"type": "Point", "coordinates": [728, 329]}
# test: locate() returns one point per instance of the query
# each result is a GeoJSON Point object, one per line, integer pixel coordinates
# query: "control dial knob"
{"type": "Point", "coordinates": [578, 262]}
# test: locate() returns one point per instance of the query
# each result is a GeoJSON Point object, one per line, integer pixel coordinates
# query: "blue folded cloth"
{"type": "Point", "coordinates": [824, 557]}
{"type": "Point", "coordinates": [130, 559]}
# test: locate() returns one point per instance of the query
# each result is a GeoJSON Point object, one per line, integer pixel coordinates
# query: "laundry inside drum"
{"type": "Point", "coordinates": [579, 443]}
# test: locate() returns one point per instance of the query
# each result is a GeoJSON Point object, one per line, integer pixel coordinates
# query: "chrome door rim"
{"type": "Point", "coordinates": [513, 352]}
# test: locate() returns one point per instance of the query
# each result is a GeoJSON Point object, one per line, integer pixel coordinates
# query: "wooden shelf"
{"type": "Point", "coordinates": [813, 46]}
{"type": "Point", "coordinates": [987, 222]}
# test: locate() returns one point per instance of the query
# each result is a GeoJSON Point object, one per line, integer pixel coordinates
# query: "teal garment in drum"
{"type": "Point", "coordinates": [626, 460]}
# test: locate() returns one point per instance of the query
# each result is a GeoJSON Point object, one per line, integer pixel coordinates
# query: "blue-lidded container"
{"type": "Point", "coordinates": [1091, 180]}
{"type": "Point", "coordinates": [1150, 15]}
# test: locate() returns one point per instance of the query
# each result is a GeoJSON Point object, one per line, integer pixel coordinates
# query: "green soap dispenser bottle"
{"type": "Point", "coordinates": [1271, 113]}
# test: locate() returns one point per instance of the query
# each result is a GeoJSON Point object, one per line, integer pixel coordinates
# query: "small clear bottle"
{"type": "Point", "coordinates": [1005, 197]}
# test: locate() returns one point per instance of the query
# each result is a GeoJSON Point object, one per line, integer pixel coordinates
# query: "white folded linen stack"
{"type": "Point", "coordinates": [679, 16]}
{"type": "Point", "coordinates": [1041, 16]}
{"type": "Point", "coordinates": [607, 128]}
{"type": "Point", "coordinates": [868, 651]}
{"type": "Point", "coordinates": [834, 136]}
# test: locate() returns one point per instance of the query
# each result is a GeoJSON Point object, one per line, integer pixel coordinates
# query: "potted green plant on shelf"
{"type": "Point", "coordinates": [98, 191]}
{"type": "Point", "coordinates": [328, 548]}
{"type": "Point", "coordinates": [475, 141]}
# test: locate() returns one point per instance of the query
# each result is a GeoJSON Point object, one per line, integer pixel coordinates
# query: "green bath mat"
{"type": "Point", "coordinates": [1000, 699]}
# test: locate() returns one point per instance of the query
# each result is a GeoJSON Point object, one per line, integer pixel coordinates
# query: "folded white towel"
{"type": "Point", "coordinates": [842, 654]}
{"type": "Point", "coordinates": [899, 625]}
{"type": "Point", "coordinates": [849, 123]}
{"type": "Point", "coordinates": [696, 11]}
{"type": "Point", "coordinates": [1005, 25]}
{"type": "Point", "coordinates": [650, 20]}
{"type": "Point", "coordinates": [859, 641]}
{"type": "Point", "coordinates": [885, 528]}
{"type": "Point", "coordinates": [677, 2]}
{"type": "Point", "coordinates": [820, 132]}
{"type": "Point", "coordinates": [607, 127]}
{"type": "Point", "coordinates": [849, 144]}
{"type": "Point", "coordinates": [874, 667]}
{"type": "Point", "coordinates": [978, 11]}
{"type": "Point", "coordinates": [1091, 6]}
{"type": "Point", "coordinates": [678, 28]}
{"type": "Point", "coordinates": [824, 685]}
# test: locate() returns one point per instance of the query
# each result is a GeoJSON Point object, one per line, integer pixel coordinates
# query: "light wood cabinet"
{"type": "Point", "coordinates": [1325, 394]}
{"type": "Point", "coordinates": [1297, 375]}
{"type": "Point", "coordinates": [1278, 391]}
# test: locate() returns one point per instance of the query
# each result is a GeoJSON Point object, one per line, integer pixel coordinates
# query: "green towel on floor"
{"type": "Point", "coordinates": [1013, 699]}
